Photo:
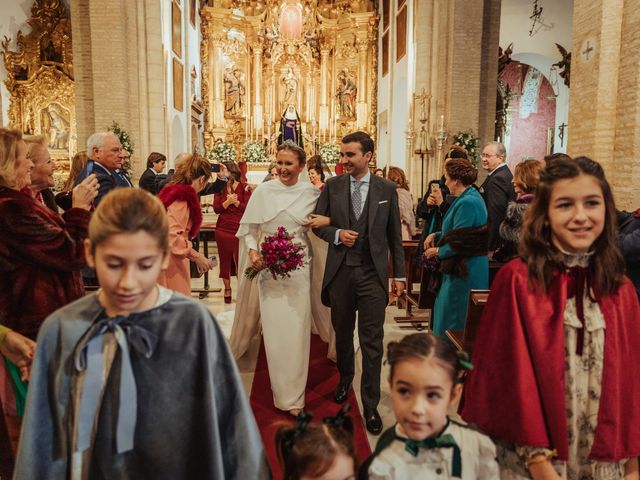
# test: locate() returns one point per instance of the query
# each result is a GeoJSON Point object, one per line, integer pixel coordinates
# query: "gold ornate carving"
{"type": "Point", "coordinates": [323, 62]}
{"type": "Point", "coordinates": [40, 79]}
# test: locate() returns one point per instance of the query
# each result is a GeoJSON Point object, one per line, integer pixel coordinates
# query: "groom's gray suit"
{"type": "Point", "coordinates": [356, 278]}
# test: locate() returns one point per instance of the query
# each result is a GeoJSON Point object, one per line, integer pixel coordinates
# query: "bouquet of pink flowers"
{"type": "Point", "coordinates": [280, 255]}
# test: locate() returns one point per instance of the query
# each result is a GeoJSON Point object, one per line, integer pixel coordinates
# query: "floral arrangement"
{"type": "Point", "coordinates": [467, 140]}
{"type": "Point", "coordinates": [280, 254]}
{"type": "Point", "coordinates": [125, 141]}
{"type": "Point", "coordinates": [222, 152]}
{"type": "Point", "coordinates": [330, 153]}
{"type": "Point", "coordinates": [254, 152]}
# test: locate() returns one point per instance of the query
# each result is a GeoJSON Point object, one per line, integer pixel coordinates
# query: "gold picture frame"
{"type": "Point", "coordinates": [176, 29]}
{"type": "Point", "coordinates": [178, 85]}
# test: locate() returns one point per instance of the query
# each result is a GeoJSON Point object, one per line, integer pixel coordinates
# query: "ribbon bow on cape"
{"type": "Point", "coordinates": [89, 357]}
{"type": "Point", "coordinates": [443, 441]}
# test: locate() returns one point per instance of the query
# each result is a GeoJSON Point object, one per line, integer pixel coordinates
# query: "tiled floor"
{"type": "Point", "coordinates": [246, 364]}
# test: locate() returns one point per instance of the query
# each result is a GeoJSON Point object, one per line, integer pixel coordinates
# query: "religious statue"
{"type": "Point", "coordinates": [290, 127]}
{"type": "Point", "coordinates": [58, 130]}
{"type": "Point", "coordinates": [346, 94]}
{"type": "Point", "coordinates": [234, 92]}
{"type": "Point", "coordinates": [290, 83]}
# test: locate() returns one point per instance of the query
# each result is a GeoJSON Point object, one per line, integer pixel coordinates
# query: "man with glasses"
{"type": "Point", "coordinates": [106, 158]}
{"type": "Point", "coordinates": [497, 189]}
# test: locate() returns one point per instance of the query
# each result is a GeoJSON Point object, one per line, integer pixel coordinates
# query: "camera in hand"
{"type": "Point", "coordinates": [215, 167]}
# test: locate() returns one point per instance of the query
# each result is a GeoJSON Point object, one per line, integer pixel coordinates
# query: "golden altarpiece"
{"type": "Point", "coordinates": [316, 59]}
{"type": "Point", "coordinates": [40, 80]}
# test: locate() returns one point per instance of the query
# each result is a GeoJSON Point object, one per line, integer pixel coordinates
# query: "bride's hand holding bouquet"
{"type": "Point", "coordinates": [278, 253]}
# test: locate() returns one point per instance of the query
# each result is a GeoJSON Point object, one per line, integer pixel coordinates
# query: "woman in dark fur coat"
{"type": "Point", "coordinates": [41, 253]}
{"type": "Point", "coordinates": [180, 198]}
{"type": "Point", "coordinates": [525, 181]}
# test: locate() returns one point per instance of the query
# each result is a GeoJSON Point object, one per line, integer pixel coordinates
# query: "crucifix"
{"type": "Point", "coordinates": [535, 16]}
{"type": "Point", "coordinates": [586, 52]}
{"type": "Point", "coordinates": [561, 133]}
{"type": "Point", "coordinates": [423, 137]}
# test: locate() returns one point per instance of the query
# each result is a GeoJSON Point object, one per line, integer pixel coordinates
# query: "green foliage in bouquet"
{"type": "Point", "coordinates": [222, 152]}
{"type": "Point", "coordinates": [254, 152]}
{"type": "Point", "coordinates": [330, 153]}
{"type": "Point", "coordinates": [468, 140]}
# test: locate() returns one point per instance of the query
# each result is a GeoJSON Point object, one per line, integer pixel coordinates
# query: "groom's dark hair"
{"type": "Point", "coordinates": [363, 138]}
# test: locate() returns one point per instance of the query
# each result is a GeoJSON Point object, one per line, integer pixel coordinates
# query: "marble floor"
{"type": "Point", "coordinates": [224, 313]}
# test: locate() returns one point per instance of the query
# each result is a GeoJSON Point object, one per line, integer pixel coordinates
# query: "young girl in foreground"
{"type": "Point", "coordinates": [135, 381]}
{"type": "Point", "coordinates": [425, 380]}
{"type": "Point", "coordinates": [318, 452]}
{"type": "Point", "coordinates": [559, 338]}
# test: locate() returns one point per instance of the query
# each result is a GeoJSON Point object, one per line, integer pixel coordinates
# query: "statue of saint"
{"type": "Point", "coordinates": [234, 92]}
{"type": "Point", "coordinates": [346, 94]}
{"type": "Point", "coordinates": [290, 127]}
{"type": "Point", "coordinates": [290, 83]}
{"type": "Point", "coordinates": [58, 130]}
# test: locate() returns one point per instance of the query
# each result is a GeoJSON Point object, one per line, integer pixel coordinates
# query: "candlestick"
{"type": "Point", "coordinates": [441, 122]}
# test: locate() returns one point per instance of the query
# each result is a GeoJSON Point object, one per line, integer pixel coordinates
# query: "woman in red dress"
{"type": "Point", "coordinates": [229, 205]}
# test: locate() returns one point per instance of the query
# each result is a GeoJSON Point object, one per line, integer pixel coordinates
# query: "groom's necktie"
{"type": "Point", "coordinates": [356, 197]}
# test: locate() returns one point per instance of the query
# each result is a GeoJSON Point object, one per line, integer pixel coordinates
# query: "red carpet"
{"type": "Point", "coordinates": [323, 379]}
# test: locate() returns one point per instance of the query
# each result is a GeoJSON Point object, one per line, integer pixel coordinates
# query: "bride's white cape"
{"type": "Point", "coordinates": [267, 201]}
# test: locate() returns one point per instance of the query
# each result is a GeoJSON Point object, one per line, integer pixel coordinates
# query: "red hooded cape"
{"type": "Point", "coordinates": [516, 390]}
{"type": "Point", "coordinates": [179, 192]}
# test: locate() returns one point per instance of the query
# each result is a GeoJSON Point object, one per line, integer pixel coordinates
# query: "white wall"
{"type": "Point", "coordinates": [177, 122]}
{"type": "Point", "coordinates": [540, 50]}
{"type": "Point", "coordinates": [395, 92]}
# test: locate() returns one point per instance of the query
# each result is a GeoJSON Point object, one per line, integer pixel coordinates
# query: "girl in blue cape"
{"type": "Point", "coordinates": [135, 381]}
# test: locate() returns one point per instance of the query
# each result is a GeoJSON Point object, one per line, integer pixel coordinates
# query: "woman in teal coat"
{"type": "Point", "coordinates": [461, 246]}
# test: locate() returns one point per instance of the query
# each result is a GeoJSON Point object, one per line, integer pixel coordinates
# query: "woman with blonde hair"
{"type": "Point", "coordinates": [180, 198]}
{"type": "Point", "coordinates": [42, 172]}
{"type": "Point", "coordinates": [525, 180]}
{"type": "Point", "coordinates": [405, 202]}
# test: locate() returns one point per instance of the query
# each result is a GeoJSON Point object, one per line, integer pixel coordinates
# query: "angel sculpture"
{"type": "Point", "coordinates": [564, 65]}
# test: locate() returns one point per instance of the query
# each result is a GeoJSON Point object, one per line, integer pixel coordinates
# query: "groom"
{"type": "Point", "coordinates": [365, 227]}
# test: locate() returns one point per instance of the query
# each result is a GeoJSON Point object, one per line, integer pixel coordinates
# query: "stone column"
{"type": "Point", "coordinates": [257, 76]}
{"type": "Point", "coordinates": [324, 106]}
{"type": "Point", "coordinates": [362, 45]}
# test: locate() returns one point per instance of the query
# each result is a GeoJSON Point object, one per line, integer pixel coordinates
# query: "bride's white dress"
{"type": "Point", "coordinates": [285, 312]}
{"type": "Point", "coordinates": [289, 309]}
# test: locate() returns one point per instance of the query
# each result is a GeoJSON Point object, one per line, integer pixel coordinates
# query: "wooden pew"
{"type": "Point", "coordinates": [409, 299]}
{"type": "Point", "coordinates": [464, 339]}
{"type": "Point", "coordinates": [207, 234]}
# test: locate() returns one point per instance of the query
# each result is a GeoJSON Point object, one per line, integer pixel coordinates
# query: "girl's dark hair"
{"type": "Point", "coordinates": [461, 169]}
{"type": "Point", "coordinates": [155, 157]}
{"type": "Point", "coordinates": [309, 451]}
{"type": "Point", "coordinates": [425, 345]}
{"type": "Point", "coordinates": [234, 170]}
{"type": "Point", "coordinates": [542, 257]}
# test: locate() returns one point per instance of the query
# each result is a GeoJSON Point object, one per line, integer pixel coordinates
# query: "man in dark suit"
{"type": "Point", "coordinates": [106, 156]}
{"type": "Point", "coordinates": [497, 189]}
{"type": "Point", "coordinates": [365, 227]}
{"type": "Point", "coordinates": [152, 176]}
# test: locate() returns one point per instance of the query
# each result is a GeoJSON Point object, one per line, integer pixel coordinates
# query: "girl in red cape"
{"type": "Point", "coordinates": [553, 381]}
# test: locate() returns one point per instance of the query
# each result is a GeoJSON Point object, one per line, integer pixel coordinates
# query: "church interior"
{"type": "Point", "coordinates": [233, 79]}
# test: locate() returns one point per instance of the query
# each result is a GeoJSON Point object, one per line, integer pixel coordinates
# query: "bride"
{"type": "Point", "coordinates": [288, 309]}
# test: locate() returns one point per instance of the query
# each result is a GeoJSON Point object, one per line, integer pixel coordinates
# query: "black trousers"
{"type": "Point", "coordinates": [359, 289]}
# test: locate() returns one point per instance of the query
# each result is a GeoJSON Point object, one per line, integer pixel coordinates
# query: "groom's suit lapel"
{"type": "Point", "coordinates": [375, 188]}
{"type": "Point", "coordinates": [344, 194]}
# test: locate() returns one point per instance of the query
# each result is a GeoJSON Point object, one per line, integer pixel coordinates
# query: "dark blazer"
{"type": "Point", "coordinates": [106, 179]}
{"type": "Point", "coordinates": [384, 231]}
{"type": "Point", "coordinates": [628, 240]}
{"type": "Point", "coordinates": [150, 181]}
{"type": "Point", "coordinates": [497, 191]}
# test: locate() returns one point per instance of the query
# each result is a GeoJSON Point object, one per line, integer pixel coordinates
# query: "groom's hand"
{"type": "Point", "coordinates": [398, 287]}
{"type": "Point", "coordinates": [348, 237]}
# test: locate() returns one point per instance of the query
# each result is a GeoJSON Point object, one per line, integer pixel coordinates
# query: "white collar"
{"type": "Point", "coordinates": [503, 164]}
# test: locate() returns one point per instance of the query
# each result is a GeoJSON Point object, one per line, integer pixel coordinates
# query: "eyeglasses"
{"type": "Point", "coordinates": [486, 155]}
